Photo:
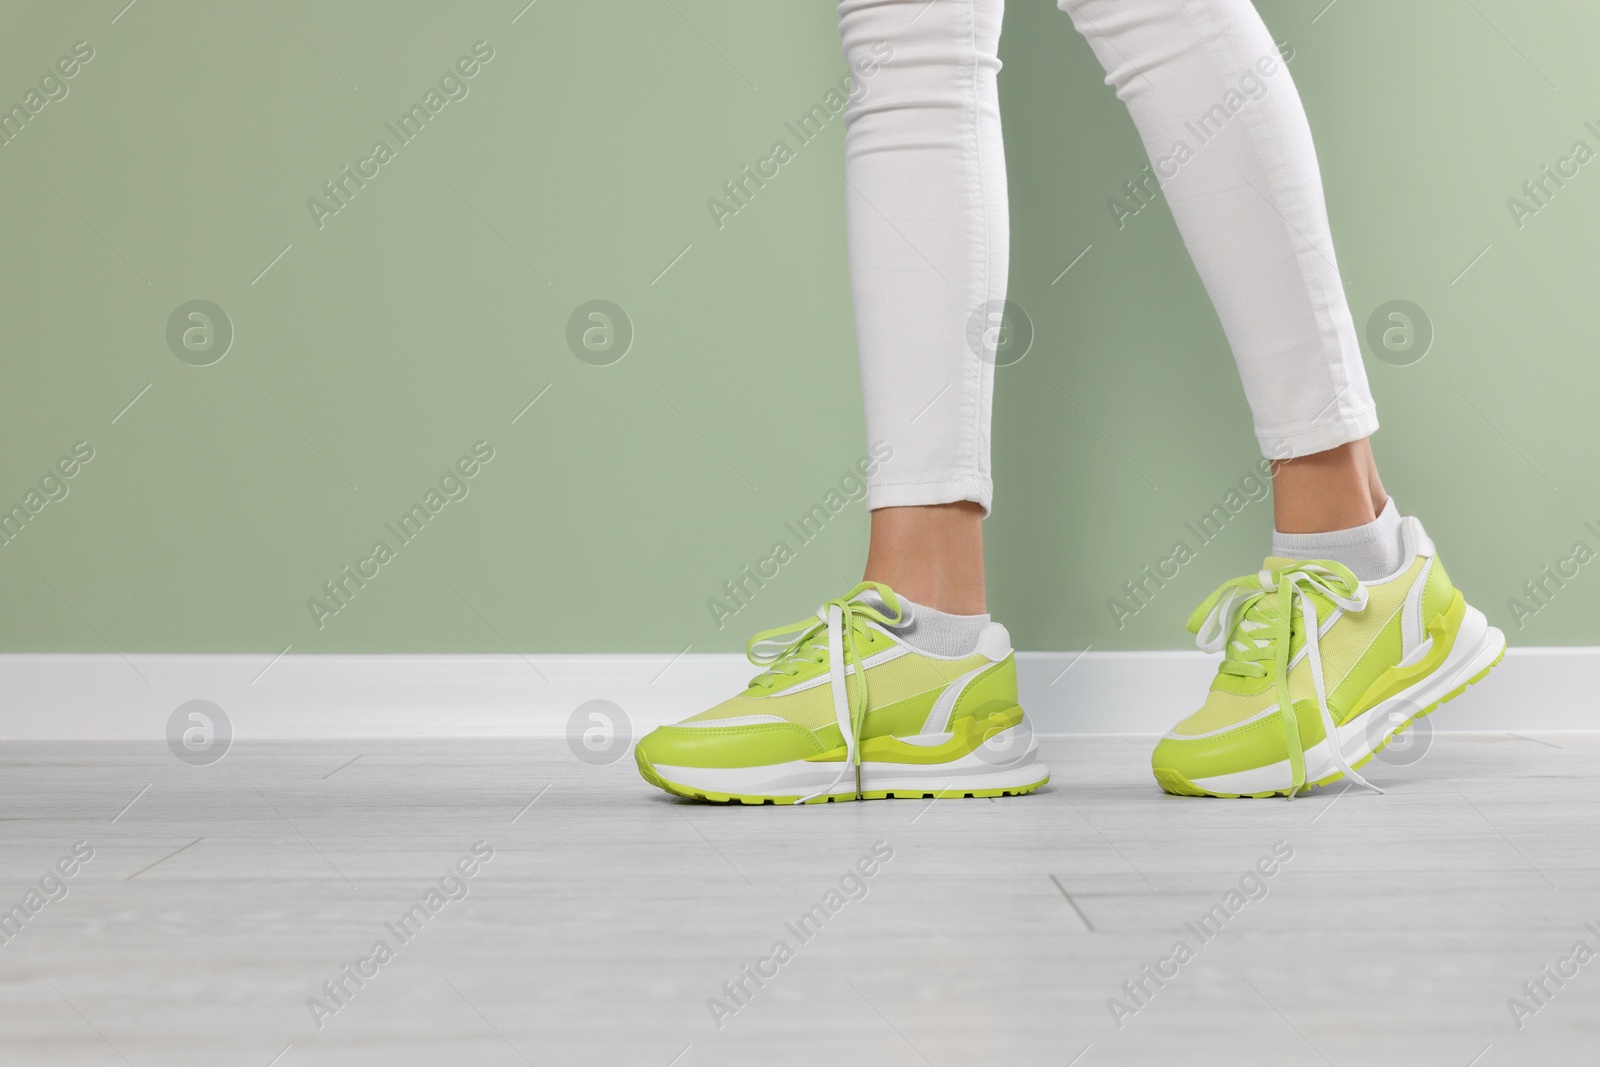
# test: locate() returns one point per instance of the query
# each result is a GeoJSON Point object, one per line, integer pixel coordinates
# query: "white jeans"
{"type": "Point", "coordinates": [929, 233]}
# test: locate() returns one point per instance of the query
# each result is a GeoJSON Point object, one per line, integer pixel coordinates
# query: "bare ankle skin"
{"type": "Point", "coordinates": [931, 554]}
{"type": "Point", "coordinates": [1324, 491]}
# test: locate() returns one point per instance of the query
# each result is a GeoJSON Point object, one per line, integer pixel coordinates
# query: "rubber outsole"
{"type": "Point", "coordinates": [649, 774]}
{"type": "Point", "coordinates": [1173, 782]}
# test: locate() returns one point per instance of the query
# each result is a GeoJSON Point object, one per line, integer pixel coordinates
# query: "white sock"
{"type": "Point", "coordinates": [1373, 551]}
{"type": "Point", "coordinates": [939, 633]}
{"type": "Point", "coordinates": [935, 632]}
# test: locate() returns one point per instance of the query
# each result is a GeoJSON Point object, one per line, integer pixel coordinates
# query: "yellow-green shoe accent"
{"type": "Point", "coordinates": [1382, 654]}
{"type": "Point", "coordinates": [846, 710]}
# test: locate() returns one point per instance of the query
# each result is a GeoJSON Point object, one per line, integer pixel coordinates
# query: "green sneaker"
{"type": "Point", "coordinates": [1383, 654]}
{"type": "Point", "coordinates": [847, 711]}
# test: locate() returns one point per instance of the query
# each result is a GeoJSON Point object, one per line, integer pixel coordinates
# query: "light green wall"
{"type": "Point", "coordinates": [425, 315]}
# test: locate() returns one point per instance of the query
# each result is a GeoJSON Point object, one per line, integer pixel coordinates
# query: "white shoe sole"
{"type": "Point", "coordinates": [980, 772]}
{"type": "Point", "coordinates": [1478, 646]}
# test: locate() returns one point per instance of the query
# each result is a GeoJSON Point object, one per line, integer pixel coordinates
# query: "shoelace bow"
{"type": "Point", "coordinates": [1232, 620]}
{"type": "Point", "coordinates": [785, 650]}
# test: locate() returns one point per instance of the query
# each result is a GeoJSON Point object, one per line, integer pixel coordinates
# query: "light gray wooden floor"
{"type": "Point", "coordinates": [225, 896]}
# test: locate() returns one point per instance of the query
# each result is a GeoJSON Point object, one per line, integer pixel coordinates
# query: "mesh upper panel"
{"type": "Point", "coordinates": [1347, 669]}
{"type": "Point", "coordinates": [887, 683]}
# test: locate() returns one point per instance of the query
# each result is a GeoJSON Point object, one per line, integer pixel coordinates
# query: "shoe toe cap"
{"type": "Point", "coordinates": [1254, 744]}
{"type": "Point", "coordinates": [752, 745]}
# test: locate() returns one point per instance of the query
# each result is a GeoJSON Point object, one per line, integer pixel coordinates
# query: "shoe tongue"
{"type": "Point", "coordinates": [1267, 605]}
{"type": "Point", "coordinates": [865, 597]}
{"type": "Point", "coordinates": [1281, 563]}
{"type": "Point", "coordinates": [1263, 610]}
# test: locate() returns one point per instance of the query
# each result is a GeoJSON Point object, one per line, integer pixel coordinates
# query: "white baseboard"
{"type": "Point", "coordinates": [109, 697]}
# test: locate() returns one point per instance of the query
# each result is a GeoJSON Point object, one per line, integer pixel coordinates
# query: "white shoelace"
{"type": "Point", "coordinates": [1223, 628]}
{"type": "Point", "coordinates": [780, 647]}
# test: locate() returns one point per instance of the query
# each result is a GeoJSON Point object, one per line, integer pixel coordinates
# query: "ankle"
{"type": "Point", "coordinates": [931, 554]}
{"type": "Point", "coordinates": [1373, 551]}
{"type": "Point", "coordinates": [932, 591]}
{"type": "Point", "coordinates": [1326, 491]}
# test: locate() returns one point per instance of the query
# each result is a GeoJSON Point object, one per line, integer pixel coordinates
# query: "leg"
{"type": "Point", "coordinates": [932, 554]}
{"type": "Point", "coordinates": [1230, 145]}
{"type": "Point", "coordinates": [925, 196]}
{"type": "Point", "coordinates": [1354, 586]}
{"type": "Point", "coordinates": [1332, 490]}
{"type": "Point", "coordinates": [933, 708]}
